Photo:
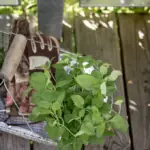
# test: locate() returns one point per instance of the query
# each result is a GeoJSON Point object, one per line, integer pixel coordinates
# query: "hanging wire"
{"type": "Point", "coordinates": [8, 33]}
{"type": "Point", "coordinates": [60, 49]}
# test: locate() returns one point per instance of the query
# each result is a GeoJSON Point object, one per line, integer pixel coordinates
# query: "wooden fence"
{"type": "Point", "coordinates": [122, 40]}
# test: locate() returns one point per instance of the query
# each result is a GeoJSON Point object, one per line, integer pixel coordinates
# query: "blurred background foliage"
{"type": "Point", "coordinates": [71, 8]}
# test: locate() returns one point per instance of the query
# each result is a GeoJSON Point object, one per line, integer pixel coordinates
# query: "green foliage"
{"type": "Point", "coordinates": [1, 56]}
{"type": "Point", "coordinates": [27, 8]}
{"type": "Point", "coordinates": [74, 108]}
{"type": "Point", "coordinates": [71, 8]}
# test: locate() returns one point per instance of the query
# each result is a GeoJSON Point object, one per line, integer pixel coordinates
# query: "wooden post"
{"type": "Point", "coordinates": [13, 57]}
{"type": "Point", "coordinates": [50, 15]}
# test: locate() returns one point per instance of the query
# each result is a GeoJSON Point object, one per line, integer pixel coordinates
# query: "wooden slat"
{"type": "Point", "coordinates": [98, 37]}
{"type": "Point", "coordinates": [38, 146]}
{"type": "Point", "coordinates": [1, 141]}
{"type": "Point", "coordinates": [94, 147]}
{"type": "Point", "coordinates": [135, 38]}
{"type": "Point", "coordinates": [67, 38]}
{"type": "Point", "coordinates": [10, 142]}
{"type": "Point", "coordinates": [5, 25]}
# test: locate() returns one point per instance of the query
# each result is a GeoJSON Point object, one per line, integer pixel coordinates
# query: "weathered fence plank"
{"type": "Point", "coordinates": [67, 38]}
{"type": "Point", "coordinates": [98, 37]}
{"type": "Point", "coordinates": [135, 38]}
{"type": "Point", "coordinates": [38, 146]}
{"type": "Point", "coordinates": [10, 142]}
{"type": "Point", "coordinates": [1, 141]}
{"type": "Point", "coordinates": [5, 25]}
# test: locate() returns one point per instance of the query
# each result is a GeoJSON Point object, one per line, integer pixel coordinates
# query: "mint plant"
{"type": "Point", "coordinates": [78, 109]}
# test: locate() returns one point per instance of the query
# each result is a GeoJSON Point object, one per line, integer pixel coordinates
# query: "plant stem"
{"type": "Point", "coordinates": [52, 76]}
{"type": "Point", "coordinates": [66, 129]}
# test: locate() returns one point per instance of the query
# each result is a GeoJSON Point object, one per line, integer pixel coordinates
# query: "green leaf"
{"type": "Point", "coordinates": [52, 96]}
{"type": "Point", "coordinates": [119, 123]}
{"type": "Point", "coordinates": [68, 118]}
{"type": "Point", "coordinates": [88, 100]}
{"type": "Point", "coordinates": [51, 121]}
{"type": "Point", "coordinates": [44, 104]}
{"type": "Point", "coordinates": [60, 74]}
{"type": "Point", "coordinates": [119, 102]}
{"type": "Point", "coordinates": [61, 146]}
{"type": "Point", "coordinates": [111, 89]}
{"type": "Point", "coordinates": [104, 69]}
{"type": "Point", "coordinates": [100, 129]}
{"type": "Point", "coordinates": [56, 106]}
{"type": "Point", "coordinates": [103, 88]}
{"type": "Point", "coordinates": [46, 96]}
{"type": "Point", "coordinates": [105, 109]}
{"type": "Point", "coordinates": [96, 74]}
{"type": "Point", "coordinates": [80, 133]}
{"type": "Point", "coordinates": [114, 75]}
{"type": "Point", "coordinates": [60, 96]}
{"type": "Point", "coordinates": [53, 132]}
{"type": "Point", "coordinates": [78, 100]}
{"type": "Point", "coordinates": [98, 101]}
{"type": "Point", "coordinates": [96, 117]}
{"type": "Point", "coordinates": [39, 114]}
{"type": "Point", "coordinates": [88, 128]}
{"type": "Point", "coordinates": [38, 81]}
{"type": "Point", "coordinates": [63, 83]}
{"type": "Point", "coordinates": [95, 140]}
{"type": "Point", "coordinates": [84, 138]}
{"type": "Point", "coordinates": [88, 117]}
{"type": "Point", "coordinates": [87, 82]}
{"type": "Point", "coordinates": [82, 113]}
{"type": "Point", "coordinates": [108, 133]}
{"type": "Point", "coordinates": [107, 116]}
{"type": "Point", "coordinates": [77, 144]}
{"type": "Point", "coordinates": [36, 98]}
{"type": "Point", "coordinates": [70, 147]}
{"type": "Point", "coordinates": [41, 111]}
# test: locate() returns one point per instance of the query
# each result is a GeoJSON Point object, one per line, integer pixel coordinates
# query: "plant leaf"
{"type": "Point", "coordinates": [87, 81]}
{"type": "Point", "coordinates": [44, 104]}
{"type": "Point", "coordinates": [51, 121]}
{"type": "Point", "coordinates": [100, 130]}
{"type": "Point", "coordinates": [88, 128]}
{"type": "Point", "coordinates": [63, 83]}
{"type": "Point", "coordinates": [119, 123]}
{"type": "Point", "coordinates": [53, 132]}
{"type": "Point", "coordinates": [96, 117]}
{"type": "Point", "coordinates": [98, 101]}
{"type": "Point", "coordinates": [78, 100]}
{"type": "Point", "coordinates": [104, 69]}
{"type": "Point", "coordinates": [56, 106]}
{"type": "Point", "coordinates": [38, 81]}
{"type": "Point", "coordinates": [114, 75]}
{"type": "Point", "coordinates": [95, 140]}
{"type": "Point", "coordinates": [77, 144]}
{"type": "Point", "coordinates": [103, 88]}
{"type": "Point", "coordinates": [119, 102]}
{"type": "Point", "coordinates": [82, 113]}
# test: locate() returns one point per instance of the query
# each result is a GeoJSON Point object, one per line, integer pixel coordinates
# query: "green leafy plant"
{"type": "Point", "coordinates": [78, 109]}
